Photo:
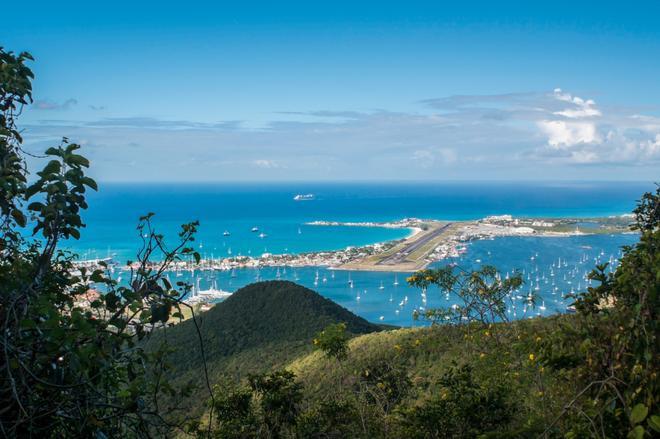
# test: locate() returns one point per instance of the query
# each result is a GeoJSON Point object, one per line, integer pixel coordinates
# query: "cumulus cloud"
{"type": "Point", "coordinates": [583, 133]}
{"type": "Point", "coordinates": [563, 134]}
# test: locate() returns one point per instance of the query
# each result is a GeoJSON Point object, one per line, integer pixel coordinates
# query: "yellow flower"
{"type": "Point", "coordinates": [487, 333]}
{"type": "Point", "coordinates": [398, 347]}
{"type": "Point", "coordinates": [531, 357]}
{"type": "Point", "coordinates": [482, 355]}
{"type": "Point", "coordinates": [538, 339]}
{"type": "Point", "coordinates": [418, 342]}
{"type": "Point", "coordinates": [539, 394]}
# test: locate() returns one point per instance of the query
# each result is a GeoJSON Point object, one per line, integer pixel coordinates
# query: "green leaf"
{"type": "Point", "coordinates": [18, 217]}
{"type": "Point", "coordinates": [90, 183]}
{"type": "Point", "coordinates": [53, 167]}
{"type": "Point", "coordinates": [28, 324]}
{"type": "Point", "coordinates": [638, 413]}
{"type": "Point", "coordinates": [53, 151]}
{"type": "Point", "coordinates": [654, 422]}
{"type": "Point", "coordinates": [636, 433]}
{"type": "Point", "coordinates": [79, 160]}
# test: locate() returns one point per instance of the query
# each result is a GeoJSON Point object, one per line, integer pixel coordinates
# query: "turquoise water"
{"type": "Point", "coordinates": [237, 208]}
{"type": "Point", "coordinates": [578, 254]}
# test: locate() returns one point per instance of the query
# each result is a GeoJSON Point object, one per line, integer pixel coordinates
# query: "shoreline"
{"type": "Point", "coordinates": [429, 241]}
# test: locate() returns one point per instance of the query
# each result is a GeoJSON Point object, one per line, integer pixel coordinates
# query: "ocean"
{"type": "Point", "coordinates": [237, 208]}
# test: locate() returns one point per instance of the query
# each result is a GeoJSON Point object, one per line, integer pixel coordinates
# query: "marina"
{"type": "Point", "coordinates": [552, 268]}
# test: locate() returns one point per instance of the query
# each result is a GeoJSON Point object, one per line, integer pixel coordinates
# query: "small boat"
{"type": "Point", "coordinates": [304, 197]}
{"type": "Point", "coordinates": [255, 229]}
{"type": "Point", "coordinates": [226, 233]}
{"type": "Point", "coordinates": [262, 235]}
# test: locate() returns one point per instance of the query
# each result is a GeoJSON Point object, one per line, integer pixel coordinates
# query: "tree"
{"type": "Point", "coordinates": [461, 408]}
{"type": "Point", "coordinates": [333, 341]}
{"type": "Point", "coordinates": [483, 293]}
{"type": "Point", "coordinates": [617, 335]}
{"type": "Point", "coordinates": [279, 397]}
{"type": "Point", "coordinates": [69, 368]}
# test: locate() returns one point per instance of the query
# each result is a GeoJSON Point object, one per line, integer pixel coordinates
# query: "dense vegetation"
{"type": "Point", "coordinates": [261, 326]}
{"type": "Point", "coordinates": [69, 370]}
{"type": "Point", "coordinates": [277, 359]}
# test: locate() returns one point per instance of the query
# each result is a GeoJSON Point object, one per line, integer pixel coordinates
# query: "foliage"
{"type": "Point", "coordinates": [333, 341]}
{"type": "Point", "coordinates": [70, 367]}
{"type": "Point", "coordinates": [269, 406]}
{"type": "Point", "coordinates": [234, 413]}
{"type": "Point", "coordinates": [329, 419]}
{"type": "Point", "coordinates": [618, 337]}
{"type": "Point", "coordinates": [484, 294]}
{"type": "Point", "coordinates": [279, 397]}
{"type": "Point", "coordinates": [461, 408]}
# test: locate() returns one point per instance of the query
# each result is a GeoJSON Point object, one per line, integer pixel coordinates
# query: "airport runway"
{"type": "Point", "coordinates": [400, 256]}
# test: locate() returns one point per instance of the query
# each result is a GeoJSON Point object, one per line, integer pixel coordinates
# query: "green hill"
{"type": "Point", "coordinates": [261, 326]}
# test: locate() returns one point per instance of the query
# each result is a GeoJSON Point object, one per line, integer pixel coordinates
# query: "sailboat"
{"type": "Point", "coordinates": [396, 280]}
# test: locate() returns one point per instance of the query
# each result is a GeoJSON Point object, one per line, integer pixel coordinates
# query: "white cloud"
{"type": "Point", "coordinates": [502, 136]}
{"type": "Point", "coordinates": [562, 134]}
{"type": "Point", "coordinates": [580, 133]}
{"type": "Point", "coordinates": [581, 108]}
{"type": "Point", "coordinates": [427, 158]}
{"type": "Point", "coordinates": [266, 164]}
{"type": "Point", "coordinates": [44, 104]}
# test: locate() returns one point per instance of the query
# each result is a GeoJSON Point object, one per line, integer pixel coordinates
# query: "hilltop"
{"type": "Point", "coordinates": [261, 326]}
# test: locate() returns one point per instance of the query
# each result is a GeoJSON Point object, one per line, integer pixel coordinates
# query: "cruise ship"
{"type": "Point", "coordinates": [304, 197]}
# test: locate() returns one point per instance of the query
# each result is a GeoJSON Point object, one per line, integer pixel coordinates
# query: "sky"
{"type": "Point", "coordinates": [326, 91]}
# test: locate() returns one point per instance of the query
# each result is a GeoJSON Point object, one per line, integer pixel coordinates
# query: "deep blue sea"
{"type": "Point", "coordinates": [236, 208]}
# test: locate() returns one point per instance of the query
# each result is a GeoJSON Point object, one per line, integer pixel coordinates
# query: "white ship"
{"type": "Point", "coordinates": [304, 197]}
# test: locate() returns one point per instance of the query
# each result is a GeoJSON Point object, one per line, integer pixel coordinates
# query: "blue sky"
{"type": "Point", "coordinates": [193, 91]}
